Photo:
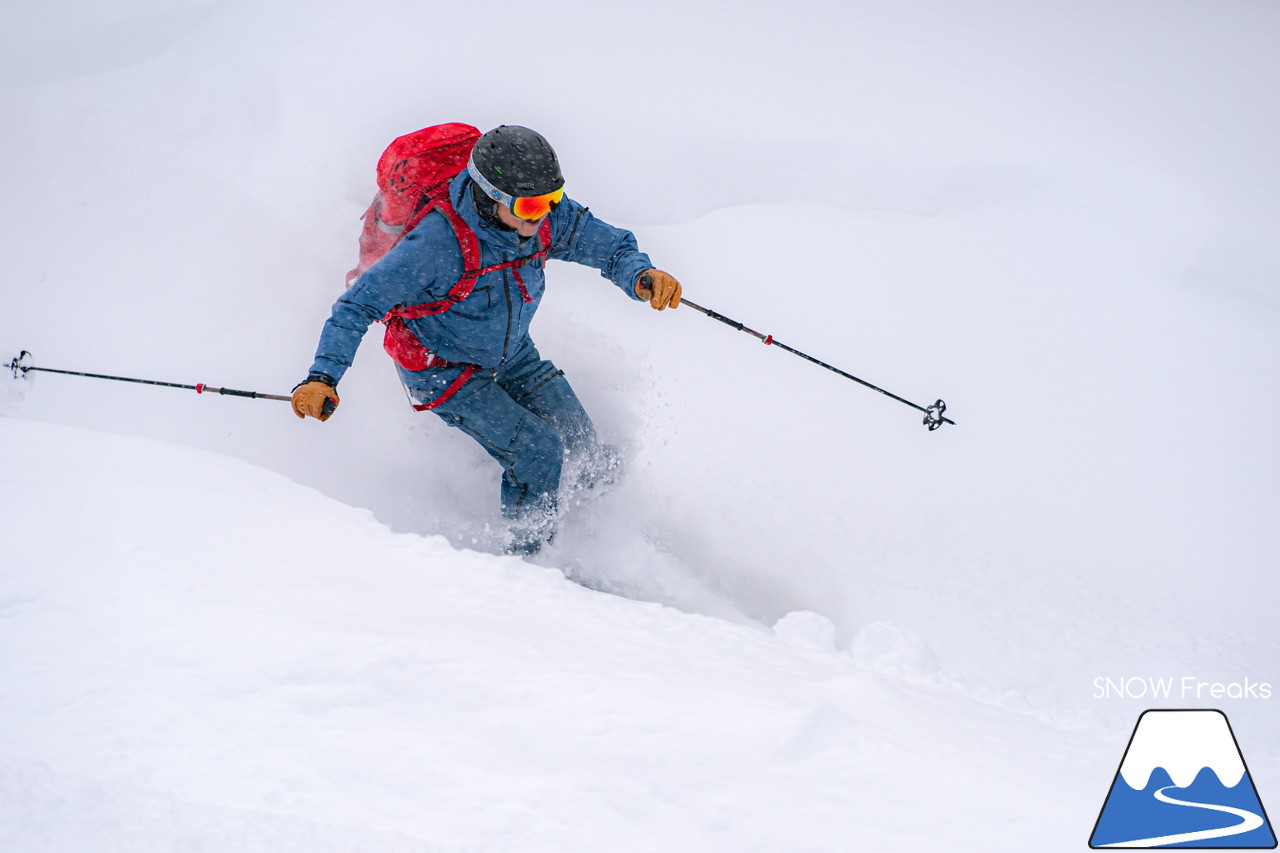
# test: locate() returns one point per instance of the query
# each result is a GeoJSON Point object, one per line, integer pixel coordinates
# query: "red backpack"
{"type": "Point", "coordinates": [414, 174]}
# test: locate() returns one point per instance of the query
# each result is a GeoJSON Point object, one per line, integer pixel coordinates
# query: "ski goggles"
{"type": "Point", "coordinates": [528, 207]}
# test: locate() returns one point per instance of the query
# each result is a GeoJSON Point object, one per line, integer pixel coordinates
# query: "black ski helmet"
{"type": "Point", "coordinates": [518, 161]}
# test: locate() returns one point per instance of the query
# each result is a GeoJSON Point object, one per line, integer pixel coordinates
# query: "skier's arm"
{"type": "Point", "coordinates": [386, 284]}
{"type": "Point", "coordinates": [367, 300]}
{"type": "Point", "coordinates": [349, 319]}
{"type": "Point", "coordinates": [578, 236]}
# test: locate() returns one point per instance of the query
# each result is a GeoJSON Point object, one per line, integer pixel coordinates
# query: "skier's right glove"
{"type": "Point", "coordinates": [315, 397]}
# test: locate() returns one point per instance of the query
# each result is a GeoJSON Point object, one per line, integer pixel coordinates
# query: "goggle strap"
{"type": "Point", "coordinates": [489, 189]}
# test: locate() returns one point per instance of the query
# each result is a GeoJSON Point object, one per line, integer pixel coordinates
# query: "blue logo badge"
{"type": "Point", "coordinates": [1183, 783]}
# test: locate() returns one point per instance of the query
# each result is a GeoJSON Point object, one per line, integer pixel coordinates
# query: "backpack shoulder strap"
{"type": "Point", "coordinates": [467, 240]}
{"type": "Point", "coordinates": [470, 246]}
{"type": "Point", "coordinates": [471, 269]}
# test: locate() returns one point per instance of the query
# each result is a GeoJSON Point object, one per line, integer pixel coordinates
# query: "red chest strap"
{"type": "Point", "coordinates": [472, 270]}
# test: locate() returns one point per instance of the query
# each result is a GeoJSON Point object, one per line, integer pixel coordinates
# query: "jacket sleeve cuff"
{"type": "Point", "coordinates": [644, 266]}
{"type": "Point", "coordinates": [317, 377]}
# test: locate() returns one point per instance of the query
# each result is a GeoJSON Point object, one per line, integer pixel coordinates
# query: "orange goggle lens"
{"type": "Point", "coordinates": [535, 207]}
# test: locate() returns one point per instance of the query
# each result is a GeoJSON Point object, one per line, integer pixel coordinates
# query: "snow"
{"type": "Point", "coordinates": [187, 657]}
{"type": "Point", "coordinates": [225, 629]}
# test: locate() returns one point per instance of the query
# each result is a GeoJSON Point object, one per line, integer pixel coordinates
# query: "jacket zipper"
{"type": "Point", "coordinates": [506, 290]}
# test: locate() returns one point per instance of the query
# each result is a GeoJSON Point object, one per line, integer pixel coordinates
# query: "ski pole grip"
{"type": "Point", "coordinates": [646, 282]}
{"type": "Point", "coordinates": [329, 405]}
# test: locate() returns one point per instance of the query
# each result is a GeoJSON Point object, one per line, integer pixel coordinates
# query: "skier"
{"type": "Point", "coordinates": [473, 362]}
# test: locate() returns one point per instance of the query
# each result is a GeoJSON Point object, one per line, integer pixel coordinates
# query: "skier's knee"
{"type": "Point", "coordinates": [539, 453]}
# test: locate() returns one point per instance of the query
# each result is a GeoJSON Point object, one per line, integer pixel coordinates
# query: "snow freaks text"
{"type": "Point", "coordinates": [1187, 687]}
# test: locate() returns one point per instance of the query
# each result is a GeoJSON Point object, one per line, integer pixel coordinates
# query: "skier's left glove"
{"type": "Point", "coordinates": [659, 289]}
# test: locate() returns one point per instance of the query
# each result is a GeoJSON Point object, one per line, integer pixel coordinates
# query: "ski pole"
{"type": "Point", "coordinates": [22, 365]}
{"type": "Point", "coordinates": [933, 415]}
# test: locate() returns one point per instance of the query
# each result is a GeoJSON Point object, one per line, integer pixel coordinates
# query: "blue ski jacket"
{"type": "Point", "coordinates": [492, 324]}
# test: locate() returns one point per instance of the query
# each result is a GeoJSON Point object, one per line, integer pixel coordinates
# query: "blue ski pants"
{"type": "Point", "coordinates": [527, 417]}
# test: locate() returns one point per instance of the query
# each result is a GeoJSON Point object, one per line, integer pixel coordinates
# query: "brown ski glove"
{"type": "Point", "coordinates": [316, 398]}
{"type": "Point", "coordinates": [660, 289]}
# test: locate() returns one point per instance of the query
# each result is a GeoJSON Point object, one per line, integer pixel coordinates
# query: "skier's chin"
{"type": "Point", "coordinates": [527, 228]}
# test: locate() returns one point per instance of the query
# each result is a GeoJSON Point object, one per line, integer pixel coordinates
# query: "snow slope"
{"type": "Point", "coordinates": [191, 667]}
{"type": "Point", "coordinates": [1060, 218]}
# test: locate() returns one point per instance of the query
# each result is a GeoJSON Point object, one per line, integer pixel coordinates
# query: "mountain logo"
{"type": "Point", "coordinates": [1183, 783]}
